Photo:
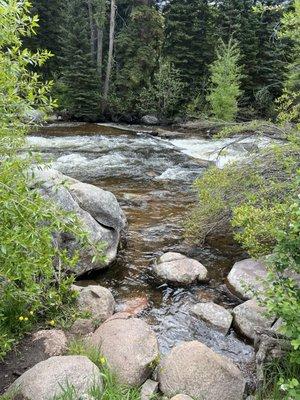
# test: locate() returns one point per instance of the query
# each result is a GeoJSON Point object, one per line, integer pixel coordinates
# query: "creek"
{"type": "Point", "coordinates": [152, 179]}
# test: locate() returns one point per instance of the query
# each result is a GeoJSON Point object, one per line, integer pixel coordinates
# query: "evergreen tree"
{"type": "Point", "coordinates": [273, 56]}
{"type": "Point", "coordinates": [225, 82]}
{"type": "Point", "coordinates": [79, 73]}
{"type": "Point", "coordinates": [289, 102]}
{"type": "Point", "coordinates": [237, 20]}
{"type": "Point", "coordinates": [163, 95]}
{"type": "Point", "coordinates": [188, 41]}
{"type": "Point", "coordinates": [49, 14]}
{"type": "Point", "coordinates": [138, 48]}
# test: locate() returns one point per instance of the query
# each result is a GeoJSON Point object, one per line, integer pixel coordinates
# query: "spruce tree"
{"type": "Point", "coordinates": [49, 14]}
{"type": "Point", "coordinates": [225, 82]}
{"type": "Point", "coordinates": [188, 41]}
{"type": "Point", "coordinates": [273, 56]}
{"type": "Point", "coordinates": [237, 20]}
{"type": "Point", "coordinates": [78, 69]}
{"type": "Point", "coordinates": [138, 47]}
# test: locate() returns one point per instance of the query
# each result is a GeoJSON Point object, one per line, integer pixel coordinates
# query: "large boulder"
{"type": "Point", "coordinates": [245, 278]}
{"type": "Point", "coordinates": [96, 300]}
{"type": "Point", "coordinates": [178, 269]}
{"type": "Point", "coordinates": [129, 347]}
{"type": "Point", "coordinates": [97, 210]}
{"type": "Point", "coordinates": [50, 378]}
{"type": "Point", "coordinates": [213, 314]}
{"type": "Point", "coordinates": [181, 397]}
{"type": "Point", "coordinates": [193, 369]}
{"type": "Point", "coordinates": [249, 316]}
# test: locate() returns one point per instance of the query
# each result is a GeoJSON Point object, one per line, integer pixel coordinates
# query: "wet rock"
{"type": "Point", "coordinates": [149, 120]}
{"type": "Point", "coordinates": [82, 327]}
{"type": "Point", "coordinates": [135, 306]}
{"type": "Point", "coordinates": [170, 256]}
{"type": "Point", "coordinates": [214, 314]}
{"type": "Point", "coordinates": [98, 211]}
{"type": "Point", "coordinates": [96, 300]}
{"type": "Point", "coordinates": [245, 278]}
{"type": "Point", "coordinates": [54, 342]}
{"type": "Point", "coordinates": [49, 378]}
{"type": "Point", "coordinates": [178, 269]}
{"type": "Point", "coordinates": [249, 316]}
{"type": "Point", "coordinates": [99, 203]}
{"type": "Point", "coordinates": [149, 389]}
{"type": "Point", "coordinates": [129, 346]}
{"type": "Point", "coordinates": [181, 397]}
{"type": "Point", "coordinates": [195, 370]}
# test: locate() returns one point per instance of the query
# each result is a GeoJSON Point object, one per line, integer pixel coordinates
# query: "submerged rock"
{"type": "Point", "coordinates": [98, 211]}
{"type": "Point", "coordinates": [96, 300]}
{"type": "Point", "coordinates": [195, 370]}
{"type": "Point", "coordinates": [50, 378]}
{"type": "Point", "coordinates": [179, 269]}
{"type": "Point", "coordinates": [129, 346]}
{"type": "Point", "coordinates": [249, 316]}
{"type": "Point", "coordinates": [213, 314]}
{"type": "Point", "coordinates": [245, 278]}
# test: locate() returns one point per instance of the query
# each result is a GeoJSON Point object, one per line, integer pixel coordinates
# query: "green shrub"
{"type": "Point", "coordinates": [31, 290]}
{"type": "Point", "coordinates": [246, 199]}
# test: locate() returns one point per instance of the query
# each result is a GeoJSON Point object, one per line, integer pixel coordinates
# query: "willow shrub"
{"type": "Point", "coordinates": [31, 289]}
{"type": "Point", "coordinates": [246, 199]}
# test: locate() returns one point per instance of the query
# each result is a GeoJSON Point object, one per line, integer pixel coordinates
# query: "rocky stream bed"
{"type": "Point", "coordinates": [151, 177]}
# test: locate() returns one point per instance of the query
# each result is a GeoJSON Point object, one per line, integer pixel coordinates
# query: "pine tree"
{"type": "Point", "coordinates": [138, 48]}
{"type": "Point", "coordinates": [49, 14]}
{"type": "Point", "coordinates": [188, 41]}
{"type": "Point", "coordinates": [163, 95]}
{"type": "Point", "coordinates": [237, 20]}
{"type": "Point", "coordinates": [225, 82]}
{"type": "Point", "coordinates": [289, 102]}
{"type": "Point", "coordinates": [79, 72]}
{"type": "Point", "coordinates": [272, 57]}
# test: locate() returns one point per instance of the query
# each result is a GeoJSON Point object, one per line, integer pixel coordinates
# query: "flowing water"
{"type": "Point", "coordinates": [152, 177]}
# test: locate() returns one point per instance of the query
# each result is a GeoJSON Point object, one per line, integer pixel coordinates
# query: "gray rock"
{"type": "Point", "coordinates": [193, 369]}
{"type": "Point", "coordinates": [149, 389]}
{"type": "Point", "coordinates": [129, 346]}
{"type": "Point", "coordinates": [96, 300]}
{"type": "Point", "coordinates": [181, 397]}
{"type": "Point", "coordinates": [49, 378]}
{"type": "Point", "coordinates": [103, 222]}
{"type": "Point", "coordinates": [170, 256]}
{"type": "Point", "coordinates": [54, 341]}
{"type": "Point", "coordinates": [278, 325]}
{"type": "Point", "coordinates": [32, 116]}
{"type": "Point", "coordinates": [245, 278]}
{"type": "Point", "coordinates": [249, 316]}
{"type": "Point", "coordinates": [99, 203]}
{"type": "Point", "coordinates": [180, 269]}
{"type": "Point", "coordinates": [149, 120]}
{"type": "Point", "coordinates": [82, 327]}
{"type": "Point", "coordinates": [214, 314]}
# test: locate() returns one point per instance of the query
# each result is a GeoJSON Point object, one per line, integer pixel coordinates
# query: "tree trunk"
{"type": "Point", "coordinates": [90, 8]}
{"type": "Point", "coordinates": [110, 52]}
{"type": "Point", "coordinates": [99, 51]}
